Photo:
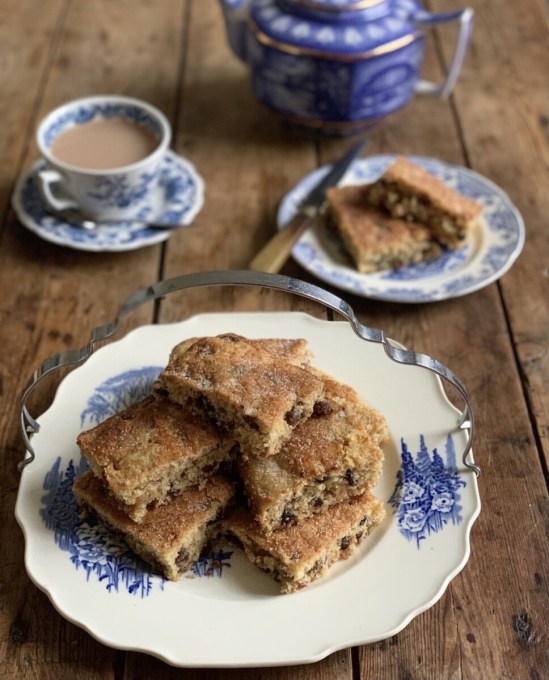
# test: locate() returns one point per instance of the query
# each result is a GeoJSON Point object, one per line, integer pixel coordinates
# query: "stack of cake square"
{"type": "Point", "coordinates": [154, 478]}
{"type": "Point", "coordinates": [305, 452]}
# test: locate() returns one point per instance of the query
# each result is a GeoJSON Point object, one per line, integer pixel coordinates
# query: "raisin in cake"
{"type": "Point", "coordinates": [152, 450]}
{"type": "Point", "coordinates": [333, 454]}
{"type": "Point", "coordinates": [171, 536]}
{"type": "Point", "coordinates": [297, 555]}
{"type": "Point", "coordinates": [410, 192]}
{"type": "Point", "coordinates": [253, 394]}
{"type": "Point", "coordinates": [375, 240]}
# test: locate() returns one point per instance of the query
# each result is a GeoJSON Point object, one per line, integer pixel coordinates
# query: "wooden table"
{"type": "Point", "coordinates": [493, 620]}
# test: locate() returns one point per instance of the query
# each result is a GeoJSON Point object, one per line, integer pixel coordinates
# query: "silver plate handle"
{"type": "Point", "coordinates": [75, 357]}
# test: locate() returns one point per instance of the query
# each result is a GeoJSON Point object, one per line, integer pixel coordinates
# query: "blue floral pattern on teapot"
{"type": "Point", "coordinates": [338, 65]}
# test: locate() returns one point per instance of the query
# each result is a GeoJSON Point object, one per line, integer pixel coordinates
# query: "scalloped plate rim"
{"type": "Point", "coordinates": [313, 328]}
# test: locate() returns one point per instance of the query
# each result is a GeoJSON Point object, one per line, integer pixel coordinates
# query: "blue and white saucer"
{"type": "Point", "coordinates": [178, 197]}
{"type": "Point", "coordinates": [489, 252]}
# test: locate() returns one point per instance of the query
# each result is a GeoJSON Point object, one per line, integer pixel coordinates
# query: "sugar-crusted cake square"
{"type": "Point", "coordinates": [171, 536]}
{"type": "Point", "coordinates": [375, 240]}
{"type": "Point", "coordinates": [298, 555]}
{"type": "Point", "coordinates": [410, 192]}
{"type": "Point", "coordinates": [256, 396]}
{"type": "Point", "coordinates": [293, 350]}
{"type": "Point", "coordinates": [330, 456]}
{"type": "Point", "coordinates": [151, 451]}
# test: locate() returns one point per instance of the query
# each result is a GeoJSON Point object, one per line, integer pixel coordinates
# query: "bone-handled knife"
{"type": "Point", "coordinates": [275, 252]}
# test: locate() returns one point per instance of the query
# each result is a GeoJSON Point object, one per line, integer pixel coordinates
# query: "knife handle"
{"type": "Point", "coordinates": [275, 252]}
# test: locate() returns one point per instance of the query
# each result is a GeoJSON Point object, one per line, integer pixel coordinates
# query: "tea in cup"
{"type": "Point", "coordinates": [103, 155]}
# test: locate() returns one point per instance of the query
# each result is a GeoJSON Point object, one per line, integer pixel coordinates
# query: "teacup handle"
{"type": "Point", "coordinates": [465, 18]}
{"type": "Point", "coordinates": [45, 180]}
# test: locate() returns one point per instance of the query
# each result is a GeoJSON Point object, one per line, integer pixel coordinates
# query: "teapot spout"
{"type": "Point", "coordinates": [235, 13]}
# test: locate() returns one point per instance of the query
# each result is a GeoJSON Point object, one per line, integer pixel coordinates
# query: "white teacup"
{"type": "Point", "coordinates": [103, 155]}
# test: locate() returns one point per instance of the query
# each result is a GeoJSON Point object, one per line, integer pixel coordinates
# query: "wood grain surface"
{"type": "Point", "coordinates": [493, 620]}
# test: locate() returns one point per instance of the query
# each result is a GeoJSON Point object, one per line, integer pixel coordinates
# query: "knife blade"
{"type": "Point", "coordinates": [275, 252]}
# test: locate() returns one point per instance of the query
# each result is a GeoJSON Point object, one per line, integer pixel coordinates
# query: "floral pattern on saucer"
{"type": "Point", "coordinates": [178, 197]}
{"type": "Point", "coordinates": [490, 251]}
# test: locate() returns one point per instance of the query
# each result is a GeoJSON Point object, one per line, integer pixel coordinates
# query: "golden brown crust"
{"type": "Point", "coordinates": [332, 455]}
{"type": "Point", "coordinates": [324, 451]}
{"type": "Point", "coordinates": [171, 536]}
{"type": "Point", "coordinates": [300, 554]}
{"type": "Point", "coordinates": [415, 180]}
{"type": "Point", "coordinates": [293, 350]}
{"type": "Point", "coordinates": [152, 449]}
{"type": "Point", "coordinates": [374, 239]}
{"type": "Point", "coordinates": [257, 396]}
{"type": "Point", "coordinates": [410, 192]}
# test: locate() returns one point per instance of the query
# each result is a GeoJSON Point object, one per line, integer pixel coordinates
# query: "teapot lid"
{"type": "Point", "coordinates": [334, 5]}
{"type": "Point", "coordinates": [333, 27]}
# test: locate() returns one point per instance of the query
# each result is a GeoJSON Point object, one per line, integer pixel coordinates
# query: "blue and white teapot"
{"type": "Point", "coordinates": [338, 66]}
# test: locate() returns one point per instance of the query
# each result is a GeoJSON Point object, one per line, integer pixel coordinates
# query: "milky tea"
{"type": "Point", "coordinates": [103, 144]}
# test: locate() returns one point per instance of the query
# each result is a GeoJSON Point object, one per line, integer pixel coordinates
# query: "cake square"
{"type": "Point", "coordinates": [151, 451]}
{"type": "Point", "coordinates": [251, 393]}
{"type": "Point", "coordinates": [171, 536]}
{"type": "Point", "coordinates": [298, 555]}
{"type": "Point", "coordinates": [293, 350]}
{"type": "Point", "coordinates": [410, 192]}
{"type": "Point", "coordinates": [330, 456]}
{"type": "Point", "coordinates": [375, 240]}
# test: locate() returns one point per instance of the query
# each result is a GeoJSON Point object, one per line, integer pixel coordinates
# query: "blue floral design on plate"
{"type": "Point", "coordinates": [178, 197]}
{"type": "Point", "coordinates": [490, 252]}
{"type": "Point", "coordinates": [92, 546]}
{"type": "Point", "coordinates": [426, 496]}
{"type": "Point", "coordinates": [117, 393]}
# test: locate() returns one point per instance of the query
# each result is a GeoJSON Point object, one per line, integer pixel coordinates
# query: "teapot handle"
{"type": "Point", "coordinates": [429, 19]}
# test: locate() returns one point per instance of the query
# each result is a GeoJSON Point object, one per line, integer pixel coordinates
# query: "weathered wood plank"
{"type": "Point", "coordinates": [506, 134]}
{"type": "Point", "coordinates": [337, 666]}
{"type": "Point", "coordinates": [248, 162]}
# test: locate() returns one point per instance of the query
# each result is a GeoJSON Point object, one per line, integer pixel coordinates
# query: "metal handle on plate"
{"type": "Point", "coordinates": [287, 284]}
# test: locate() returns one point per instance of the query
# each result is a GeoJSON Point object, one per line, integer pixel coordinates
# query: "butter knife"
{"type": "Point", "coordinates": [275, 252]}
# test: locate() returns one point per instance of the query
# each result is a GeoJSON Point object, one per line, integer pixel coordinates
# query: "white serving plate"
{"type": "Point", "coordinates": [226, 613]}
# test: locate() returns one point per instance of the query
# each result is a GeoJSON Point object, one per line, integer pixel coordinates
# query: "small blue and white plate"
{"type": "Point", "coordinates": [489, 252]}
{"type": "Point", "coordinates": [178, 197]}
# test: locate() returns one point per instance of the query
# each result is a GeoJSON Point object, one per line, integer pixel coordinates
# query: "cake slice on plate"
{"type": "Point", "coordinates": [171, 536]}
{"type": "Point", "coordinates": [410, 192]}
{"type": "Point", "coordinates": [332, 455]}
{"type": "Point", "coordinates": [251, 393]}
{"type": "Point", "coordinates": [375, 240]}
{"type": "Point", "coordinates": [153, 450]}
{"type": "Point", "coordinates": [300, 554]}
